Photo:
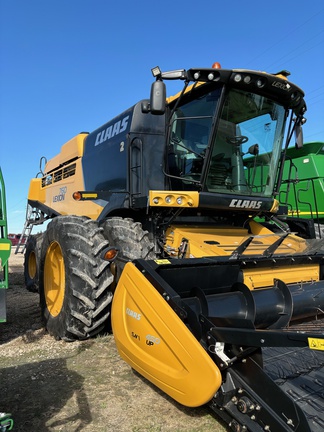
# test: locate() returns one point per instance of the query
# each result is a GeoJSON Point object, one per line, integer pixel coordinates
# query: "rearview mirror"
{"type": "Point", "coordinates": [158, 97]}
{"type": "Point", "coordinates": [298, 136]}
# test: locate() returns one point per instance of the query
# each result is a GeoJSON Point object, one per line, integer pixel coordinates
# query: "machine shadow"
{"type": "Point", "coordinates": [37, 396]}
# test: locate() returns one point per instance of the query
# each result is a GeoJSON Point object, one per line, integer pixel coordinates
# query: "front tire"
{"type": "Point", "coordinates": [131, 240]}
{"type": "Point", "coordinates": [75, 282]}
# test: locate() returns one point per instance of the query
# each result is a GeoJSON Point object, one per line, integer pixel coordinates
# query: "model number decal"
{"type": "Point", "coordinates": [136, 336]}
{"type": "Point", "coordinates": [245, 204]}
{"type": "Point", "coordinates": [282, 86]}
{"type": "Point", "coordinates": [61, 195]}
{"type": "Point", "coordinates": [133, 314]}
{"type": "Point", "coordinates": [112, 130]}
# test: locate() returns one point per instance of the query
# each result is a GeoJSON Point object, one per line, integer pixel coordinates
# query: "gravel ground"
{"type": "Point", "coordinates": [51, 385]}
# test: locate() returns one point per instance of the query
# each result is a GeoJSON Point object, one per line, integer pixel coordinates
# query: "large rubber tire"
{"type": "Point", "coordinates": [133, 242]}
{"type": "Point", "coordinates": [31, 262]}
{"type": "Point", "coordinates": [75, 282]}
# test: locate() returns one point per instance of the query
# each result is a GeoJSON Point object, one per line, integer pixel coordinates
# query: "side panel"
{"type": "Point", "coordinates": [55, 192]}
{"type": "Point", "coordinates": [305, 194]}
{"type": "Point", "coordinates": [154, 341]}
{"type": "Point", "coordinates": [147, 152]}
{"type": "Point", "coordinates": [71, 150]}
{"type": "Point", "coordinates": [105, 155]}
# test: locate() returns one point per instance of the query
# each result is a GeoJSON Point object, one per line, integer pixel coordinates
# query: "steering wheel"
{"type": "Point", "coordinates": [237, 140]}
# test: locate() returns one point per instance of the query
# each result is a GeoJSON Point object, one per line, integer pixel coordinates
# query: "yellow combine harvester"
{"type": "Point", "coordinates": [166, 223]}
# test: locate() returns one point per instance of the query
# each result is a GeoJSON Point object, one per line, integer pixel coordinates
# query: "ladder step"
{"type": "Point", "coordinates": [34, 217]}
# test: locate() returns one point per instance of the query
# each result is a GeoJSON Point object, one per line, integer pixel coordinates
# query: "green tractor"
{"type": "Point", "coordinates": [5, 249]}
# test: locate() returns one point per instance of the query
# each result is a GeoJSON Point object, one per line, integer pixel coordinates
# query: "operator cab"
{"type": "Point", "coordinates": [226, 131]}
{"type": "Point", "coordinates": [212, 136]}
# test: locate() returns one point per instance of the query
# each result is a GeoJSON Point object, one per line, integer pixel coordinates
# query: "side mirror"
{"type": "Point", "coordinates": [298, 136]}
{"type": "Point", "coordinates": [254, 150]}
{"type": "Point", "coordinates": [158, 97]}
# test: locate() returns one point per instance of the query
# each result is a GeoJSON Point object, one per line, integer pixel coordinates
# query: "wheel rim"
{"type": "Point", "coordinates": [54, 279]}
{"type": "Point", "coordinates": [32, 266]}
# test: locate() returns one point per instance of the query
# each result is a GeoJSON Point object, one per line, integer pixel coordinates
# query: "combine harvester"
{"type": "Point", "coordinates": [160, 226]}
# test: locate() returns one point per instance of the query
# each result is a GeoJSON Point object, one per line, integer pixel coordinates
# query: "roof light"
{"type": "Point", "coordinates": [210, 76]}
{"type": "Point", "coordinates": [156, 71]}
{"type": "Point", "coordinates": [238, 78]}
{"type": "Point", "coordinates": [260, 83]}
{"type": "Point", "coordinates": [216, 65]}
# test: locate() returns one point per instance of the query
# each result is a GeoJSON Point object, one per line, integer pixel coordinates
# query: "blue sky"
{"type": "Point", "coordinates": [68, 66]}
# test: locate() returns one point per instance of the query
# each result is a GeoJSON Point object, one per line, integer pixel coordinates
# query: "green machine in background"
{"type": "Point", "coordinates": [6, 421]}
{"type": "Point", "coordinates": [301, 193]}
{"type": "Point", "coordinates": [302, 189]}
{"type": "Point", "coordinates": [5, 249]}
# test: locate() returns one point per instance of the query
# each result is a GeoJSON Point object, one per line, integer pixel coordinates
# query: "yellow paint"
{"type": "Point", "coordinates": [264, 277]}
{"type": "Point", "coordinates": [170, 99]}
{"type": "Point", "coordinates": [316, 344]}
{"type": "Point", "coordinates": [204, 241]}
{"type": "Point", "coordinates": [223, 241]}
{"type": "Point", "coordinates": [292, 244]}
{"type": "Point", "coordinates": [154, 341]}
{"type": "Point", "coordinates": [162, 261]}
{"type": "Point", "coordinates": [90, 195]}
{"type": "Point", "coordinates": [275, 206]}
{"type": "Point", "coordinates": [58, 195]}
{"type": "Point", "coordinates": [32, 264]}
{"type": "Point", "coordinates": [72, 149]}
{"type": "Point", "coordinates": [303, 213]}
{"type": "Point", "coordinates": [54, 279]}
{"type": "Point", "coordinates": [5, 246]}
{"type": "Point", "coordinates": [36, 192]}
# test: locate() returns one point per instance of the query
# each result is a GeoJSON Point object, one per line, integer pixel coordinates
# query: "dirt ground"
{"type": "Point", "coordinates": [83, 386]}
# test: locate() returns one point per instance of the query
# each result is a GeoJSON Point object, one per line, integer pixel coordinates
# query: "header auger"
{"type": "Point", "coordinates": [166, 224]}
